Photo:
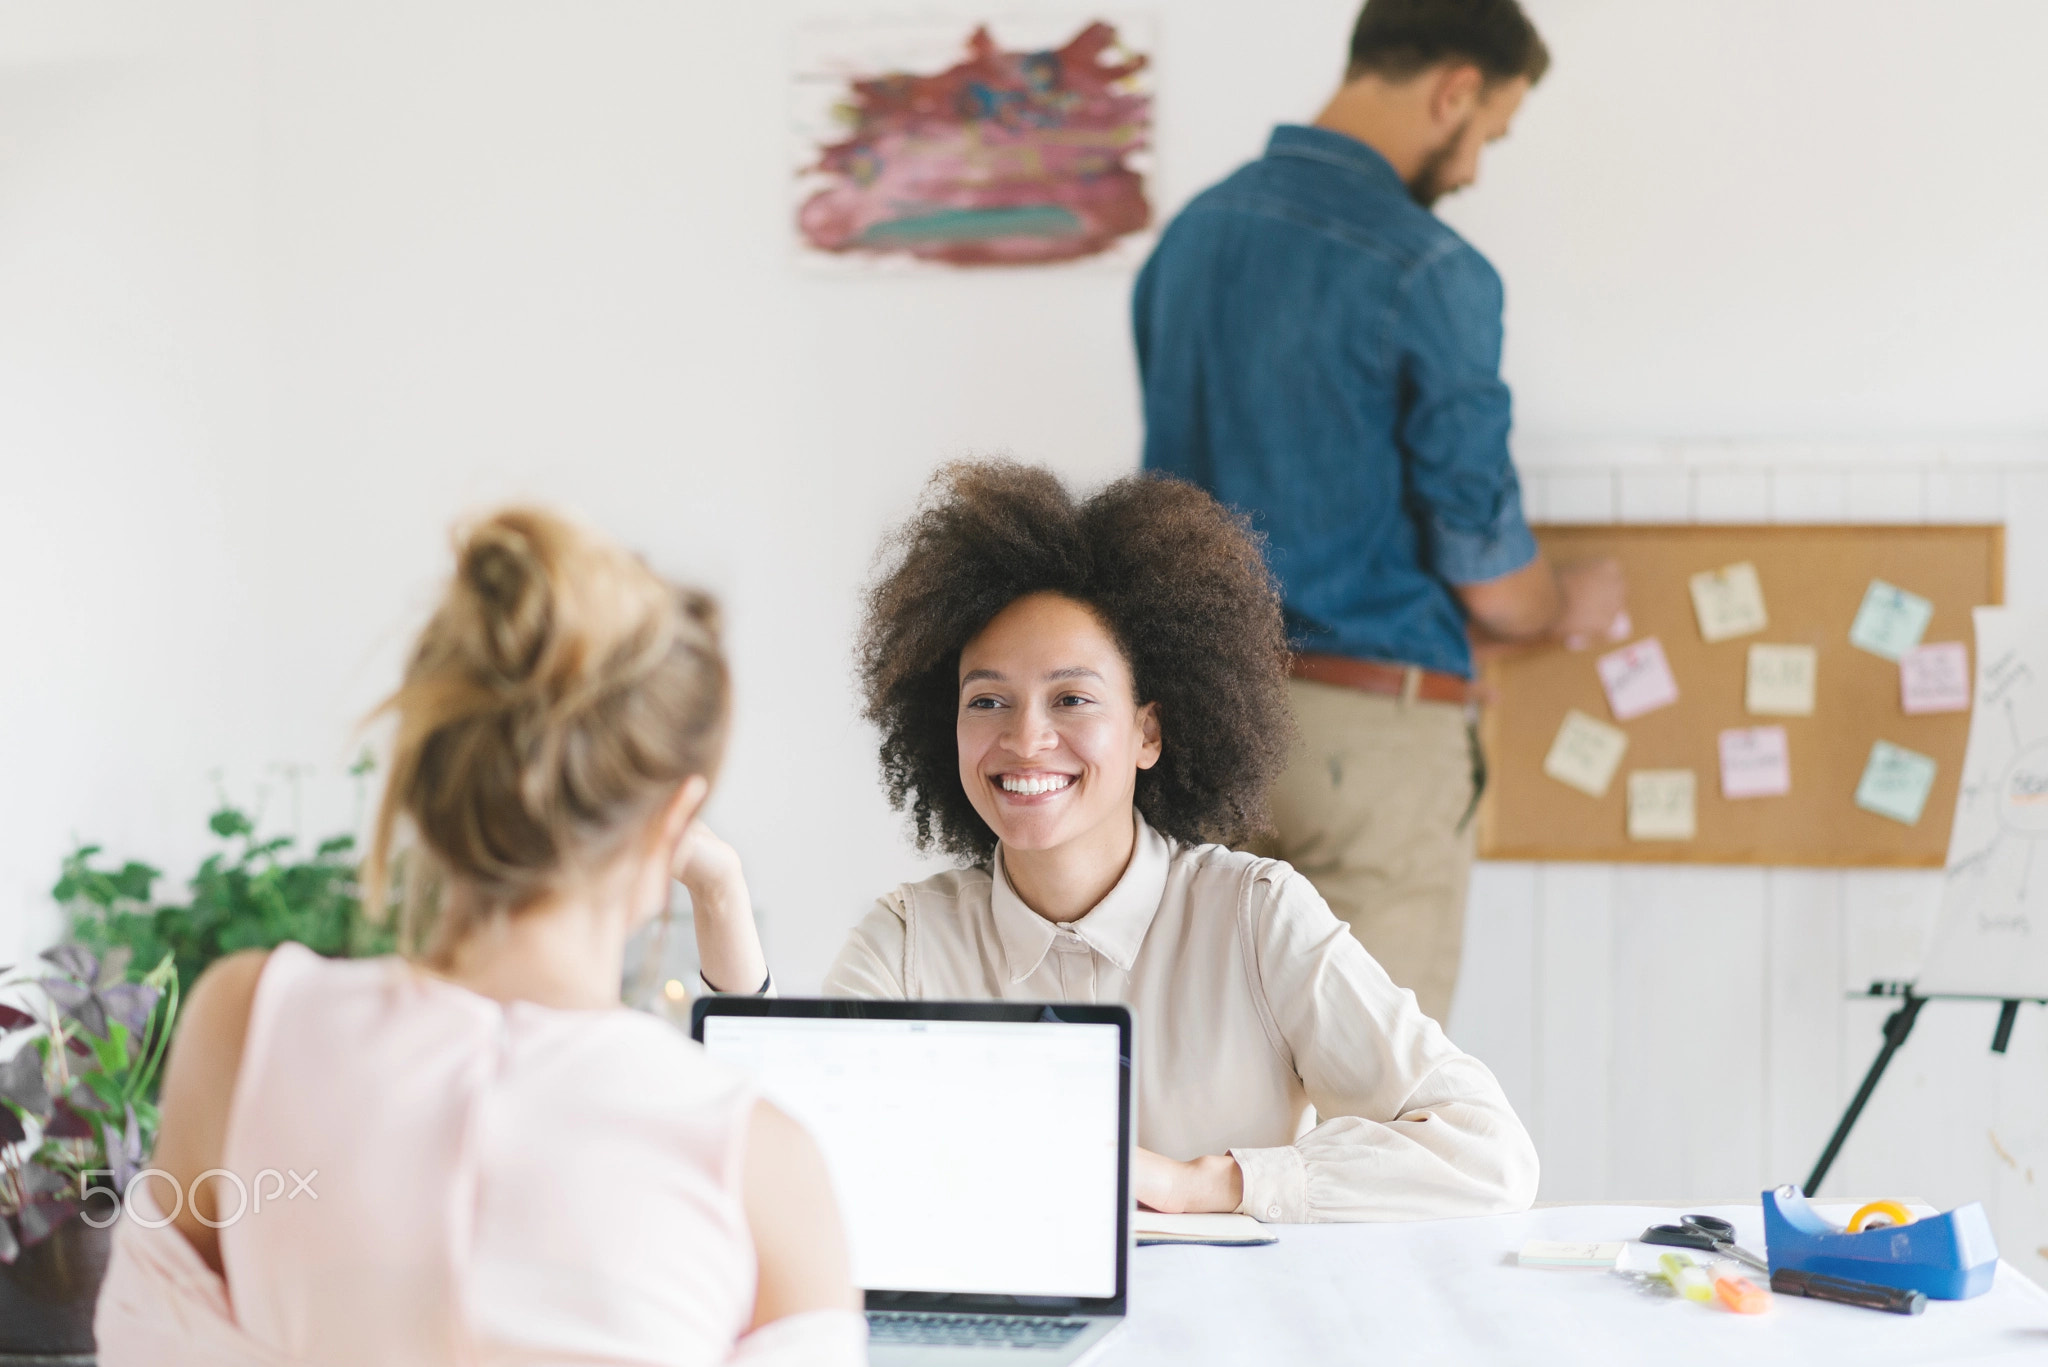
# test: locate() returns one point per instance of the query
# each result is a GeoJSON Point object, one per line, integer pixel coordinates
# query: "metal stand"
{"type": "Point", "coordinates": [1896, 1027]}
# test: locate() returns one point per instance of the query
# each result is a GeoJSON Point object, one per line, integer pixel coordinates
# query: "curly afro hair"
{"type": "Point", "coordinates": [1175, 578]}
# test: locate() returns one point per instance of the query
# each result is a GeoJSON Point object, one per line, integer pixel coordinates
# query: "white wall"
{"type": "Point", "coordinates": [283, 288]}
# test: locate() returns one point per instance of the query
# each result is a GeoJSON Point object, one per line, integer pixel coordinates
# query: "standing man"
{"type": "Point", "coordinates": [1322, 352]}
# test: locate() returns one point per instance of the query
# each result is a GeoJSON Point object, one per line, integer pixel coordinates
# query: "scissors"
{"type": "Point", "coordinates": [1707, 1232]}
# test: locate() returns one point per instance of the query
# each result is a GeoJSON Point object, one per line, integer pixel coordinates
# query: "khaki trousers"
{"type": "Point", "coordinates": [1375, 808]}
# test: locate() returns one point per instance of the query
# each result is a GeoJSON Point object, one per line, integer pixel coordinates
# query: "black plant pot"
{"type": "Point", "coordinates": [47, 1296]}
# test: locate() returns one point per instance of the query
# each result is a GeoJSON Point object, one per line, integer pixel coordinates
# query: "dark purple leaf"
{"type": "Point", "coordinates": [65, 1123]}
{"type": "Point", "coordinates": [11, 1131]}
{"type": "Point", "coordinates": [21, 1082]}
{"type": "Point", "coordinates": [76, 960]}
{"type": "Point", "coordinates": [78, 1003]}
{"type": "Point", "coordinates": [80, 1046]}
{"type": "Point", "coordinates": [130, 1004]}
{"type": "Point", "coordinates": [12, 1019]}
{"type": "Point", "coordinates": [40, 1219]}
{"type": "Point", "coordinates": [10, 1247]}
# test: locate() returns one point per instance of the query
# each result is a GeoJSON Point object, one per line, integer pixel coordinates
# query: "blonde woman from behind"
{"type": "Point", "coordinates": [501, 1164]}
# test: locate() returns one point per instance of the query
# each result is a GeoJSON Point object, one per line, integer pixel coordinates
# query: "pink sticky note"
{"type": "Point", "coordinates": [1637, 679]}
{"type": "Point", "coordinates": [1935, 678]}
{"type": "Point", "coordinates": [1756, 761]}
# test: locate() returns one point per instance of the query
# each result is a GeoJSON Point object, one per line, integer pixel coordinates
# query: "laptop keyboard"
{"type": "Point", "coordinates": [972, 1331]}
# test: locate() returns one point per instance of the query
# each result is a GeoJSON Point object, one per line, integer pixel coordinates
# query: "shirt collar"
{"type": "Point", "coordinates": [1339, 149]}
{"type": "Point", "coordinates": [1113, 928]}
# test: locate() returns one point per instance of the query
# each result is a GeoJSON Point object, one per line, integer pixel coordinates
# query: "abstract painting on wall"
{"type": "Point", "coordinates": [939, 145]}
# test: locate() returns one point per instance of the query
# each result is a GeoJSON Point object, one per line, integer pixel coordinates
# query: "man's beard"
{"type": "Point", "coordinates": [1426, 186]}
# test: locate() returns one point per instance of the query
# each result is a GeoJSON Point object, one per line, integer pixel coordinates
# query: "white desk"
{"type": "Point", "coordinates": [1449, 1292]}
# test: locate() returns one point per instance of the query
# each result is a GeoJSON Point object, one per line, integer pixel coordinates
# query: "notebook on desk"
{"type": "Point", "coordinates": [981, 1155]}
{"type": "Point", "coordinates": [1229, 1230]}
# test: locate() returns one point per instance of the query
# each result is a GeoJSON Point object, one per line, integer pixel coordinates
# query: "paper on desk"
{"type": "Point", "coordinates": [1585, 753]}
{"type": "Point", "coordinates": [1935, 678]}
{"type": "Point", "coordinates": [1729, 602]}
{"type": "Point", "coordinates": [1780, 680]}
{"type": "Point", "coordinates": [1891, 620]}
{"type": "Point", "coordinates": [1158, 1227]}
{"type": "Point", "coordinates": [1895, 782]}
{"type": "Point", "coordinates": [1756, 761]}
{"type": "Point", "coordinates": [1661, 805]}
{"type": "Point", "coordinates": [1637, 679]}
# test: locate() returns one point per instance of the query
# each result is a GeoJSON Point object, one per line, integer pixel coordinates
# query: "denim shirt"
{"type": "Point", "coordinates": [1323, 354]}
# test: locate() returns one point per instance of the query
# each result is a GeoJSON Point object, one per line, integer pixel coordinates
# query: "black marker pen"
{"type": "Point", "coordinates": [1868, 1295]}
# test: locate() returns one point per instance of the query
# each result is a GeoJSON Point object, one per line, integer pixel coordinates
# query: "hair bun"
{"type": "Point", "coordinates": [501, 567]}
{"type": "Point", "coordinates": [556, 698]}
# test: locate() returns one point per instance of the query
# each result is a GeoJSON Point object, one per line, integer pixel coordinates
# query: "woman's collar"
{"type": "Point", "coordinates": [1113, 927]}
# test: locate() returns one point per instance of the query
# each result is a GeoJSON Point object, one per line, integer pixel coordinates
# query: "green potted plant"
{"type": "Point", "coordinates": [81, 1048]}
{"type": "Point", "coordinates": [255, 893]}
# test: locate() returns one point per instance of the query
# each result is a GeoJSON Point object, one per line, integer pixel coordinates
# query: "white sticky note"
{"type": "Point", "coordinates": [1781, 679]}
{"type": "Point", "coordinates": [1585, 753]}
{"type": "Point", "coordinates": [1662, 805]}
{"type": "Point", "coordinates": [1935, 678]}
{"type": "Point", "coordinates": [1756, 761]}
{"type": "Point", "coordinates": [1729, 602]}
{"type": "Point", "coordinates": [1549, 1253]}
{"type": "Point", "coordinates": [1891, 620]}
{"type": "Point", "coordinates": [1637, 679]}
{"type": "Point", "coordinates": [1896, 782]}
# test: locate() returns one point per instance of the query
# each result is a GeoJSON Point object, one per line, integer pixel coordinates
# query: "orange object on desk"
{"type": "Point", "coordinates": [1742, 1295]}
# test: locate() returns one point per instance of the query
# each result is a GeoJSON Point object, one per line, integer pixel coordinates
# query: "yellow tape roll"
{"type": "Point", "coordinates": [1898, 1214]}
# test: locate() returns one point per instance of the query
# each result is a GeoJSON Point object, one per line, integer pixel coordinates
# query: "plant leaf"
{"type": "Point", "coordinates": [12, 1019]}
{"type": "Point", "coordinates": [229, 822]}
{"type": "Point", "coordinates": [40, 1219]}
{"type": "Point", "coordinates": [38, 1180]}
{"type": "Point", "coordinates": [11, 1131]}
{"type": "Point", "coordinates": [125, 1156]}
{"type": "Point", "coordinates": [130, 1004]}
{"type": "Point", "coordinates": [21, 1082]}
{"type": "Point", "coordinates": [65, 1123]}
{"type": "Point", "coordinates": [76, 960]}
{"type": "Point", "coordinates": [79, 1003]}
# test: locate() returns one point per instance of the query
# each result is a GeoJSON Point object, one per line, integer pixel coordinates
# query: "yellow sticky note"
{"type": "Point", "coordinates": [1661, 805]}
{"type": "Point", "coordinates": [1781, 680]}
{"type": "Point", "coordinates": [1729, 602]}
{"type": "Point", "coordinates": [1586, 753]}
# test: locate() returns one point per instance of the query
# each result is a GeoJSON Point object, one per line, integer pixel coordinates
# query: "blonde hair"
{"type": "Point", "coordinates": [554, 701]}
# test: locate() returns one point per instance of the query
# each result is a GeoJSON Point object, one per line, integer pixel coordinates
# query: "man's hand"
{"type": "Point", "coordinates": [1214, 1183]}
{"type": "Point", "coordinates": [1595, 603]}
{"type": "Point", "coordinates": [1578, 604]}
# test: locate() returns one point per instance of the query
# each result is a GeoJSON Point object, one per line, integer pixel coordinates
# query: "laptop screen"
{"type": "Point", "coordinates": [969, 1156]}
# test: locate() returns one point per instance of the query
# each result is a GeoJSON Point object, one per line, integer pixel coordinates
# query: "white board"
{"type": "Point", "coordinates": [1991, 938]}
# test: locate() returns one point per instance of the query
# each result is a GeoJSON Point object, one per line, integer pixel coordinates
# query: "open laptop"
{"type": "Point", "coordinates": [981, 1154]}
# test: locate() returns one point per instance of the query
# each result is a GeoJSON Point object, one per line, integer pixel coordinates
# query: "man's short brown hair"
{"type": "Point", "coordinates": [1399, 38]}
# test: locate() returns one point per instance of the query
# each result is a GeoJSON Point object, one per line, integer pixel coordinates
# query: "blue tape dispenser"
{"type": "Point", "coordinates": [1947, 1257]}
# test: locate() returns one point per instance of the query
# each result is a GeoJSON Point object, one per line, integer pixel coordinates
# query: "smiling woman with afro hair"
{"type": "Point", "coordinates": [1177, 583]}
{"type": "Point", "coordinates": [1084, 701]}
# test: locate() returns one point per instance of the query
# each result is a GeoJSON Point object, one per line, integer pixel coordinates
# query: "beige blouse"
{"type": "Point", "coordinates": [1263, 1028]}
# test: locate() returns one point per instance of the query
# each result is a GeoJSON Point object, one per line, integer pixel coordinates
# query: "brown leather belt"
{"type": "Point", "coordinates": [1371, 676]}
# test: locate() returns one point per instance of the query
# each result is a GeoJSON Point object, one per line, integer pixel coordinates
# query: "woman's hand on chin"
{"type": "Point", "coordinates": [728, 945]}
{"type": "Point", "coordinates": [1211, 1183]}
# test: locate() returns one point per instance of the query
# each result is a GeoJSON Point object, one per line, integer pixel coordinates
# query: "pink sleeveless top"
{"type": "Point", "coordinates": [461, 1180]}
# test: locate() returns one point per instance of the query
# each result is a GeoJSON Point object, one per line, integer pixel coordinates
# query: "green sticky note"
{"type": "Point", "coordinates": [1891, 620]}
{"type": "Point", "coordinates": [1895, 782]}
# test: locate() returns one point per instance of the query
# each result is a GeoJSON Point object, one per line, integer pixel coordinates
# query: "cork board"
{"type": "Point", "coordinates": [1813, 580]}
